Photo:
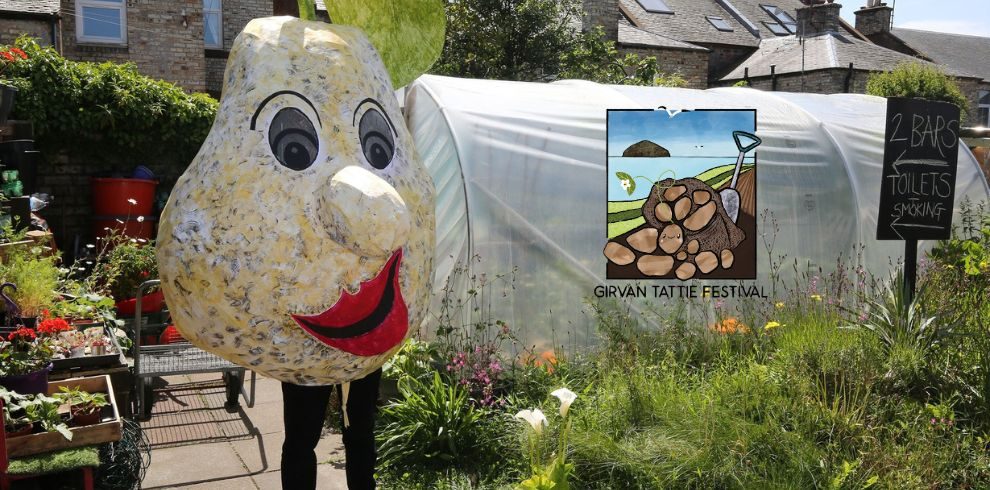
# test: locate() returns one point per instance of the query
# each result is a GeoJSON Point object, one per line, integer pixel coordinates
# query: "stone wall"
{"type": "Point", "coordinates": [830, 81]}
{"type": "Point", "coordinates": [971, 88]}
{"type": "Point", "coordinates": [11, 29]}
{"type": "Point", "coordinates": [603, 13]}
{"type": "Point", "coordinates": [157, 41]}
{"type": "Point", "coordinates": [870, 21]}
{"type": "Point", "coordinates": [724, 58]}
{"type": "Point", "coordinates": [692, 65]}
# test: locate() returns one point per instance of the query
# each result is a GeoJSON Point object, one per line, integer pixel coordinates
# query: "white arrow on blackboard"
{"type": "Point", "coordinates": [894, 224]}
{"type": "Point", "coordinates": [917, 161]}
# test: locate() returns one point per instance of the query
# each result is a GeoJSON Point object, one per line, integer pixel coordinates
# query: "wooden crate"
{"type": "Point", "coordinates": [107, 431]}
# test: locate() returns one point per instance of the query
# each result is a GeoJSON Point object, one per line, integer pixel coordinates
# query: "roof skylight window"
{"type": "Point", "coordinates": [719, 23]}
{"type": "Point", "coordinates": [655, 6]}
{"type": "Point", "coordinates": [782, 17]}
{"type": "Point", "coordinates": [776, 28]}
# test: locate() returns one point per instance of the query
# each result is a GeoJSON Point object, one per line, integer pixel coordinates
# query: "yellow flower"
{"type": "Point", "coordinates": [816, 297]}
{"type": "Point", "coordinates": [779, 305]}
{"type": "Point", "coordinates": [771, 325]}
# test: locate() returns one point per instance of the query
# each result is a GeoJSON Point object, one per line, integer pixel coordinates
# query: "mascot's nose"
{"type": "Point", "coordinates": [365, 213]}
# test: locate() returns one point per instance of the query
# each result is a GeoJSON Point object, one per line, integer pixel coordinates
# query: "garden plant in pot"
{"type": "Point", "coordinates": [25, 361]}
{"type": "Point", "coordinates": [124, 264]}
{"type": "Point", "coordinates": [30, 280]}
{"type": "Point", "coordinates": [8, 92]}
{"type": "Point", "coordinates": [24, 414]}
{"type": "Point", "coordinates": [84, 406]}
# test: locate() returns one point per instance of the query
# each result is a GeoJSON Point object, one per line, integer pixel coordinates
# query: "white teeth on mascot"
{"type": "Point", "coordinates": [299, 242]}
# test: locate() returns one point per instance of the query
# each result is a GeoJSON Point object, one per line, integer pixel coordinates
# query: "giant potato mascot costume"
{"type": "Point", "coordinates": [299, 242]}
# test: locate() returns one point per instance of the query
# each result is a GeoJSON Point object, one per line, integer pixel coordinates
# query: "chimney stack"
{"type": "Point", "coordinates": [818, 19]}
{"type": "Point", "coordinates": [874, 18]}
{"type": "Point", "coordinates": [603, 13]}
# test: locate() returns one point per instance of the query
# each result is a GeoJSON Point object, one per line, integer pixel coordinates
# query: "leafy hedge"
{"type": "Point", "coordinates": [914, 79]}
{"type": "Point", "coordinates": [106, 109]}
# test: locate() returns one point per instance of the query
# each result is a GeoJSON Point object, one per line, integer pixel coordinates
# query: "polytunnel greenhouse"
{"type": "Point", "coordinates": [520, 170]}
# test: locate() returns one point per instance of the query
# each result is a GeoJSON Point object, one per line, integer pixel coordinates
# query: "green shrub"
{"type": "Point", "coordinates": [920, 80]}
{"type": "Point", "coordinates": [107, 110]}
{"type": "Point", "coordinates": [35, 275]}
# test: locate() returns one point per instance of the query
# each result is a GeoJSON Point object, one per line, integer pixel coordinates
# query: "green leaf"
{"type": "Point", "coordinates": [628, 178]}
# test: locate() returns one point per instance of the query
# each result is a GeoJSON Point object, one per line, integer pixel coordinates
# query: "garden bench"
{"type": "Point", "coordinates": [179, 358]}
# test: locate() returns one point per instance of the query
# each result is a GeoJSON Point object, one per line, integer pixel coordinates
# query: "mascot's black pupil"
{"type": "Point", "coordinates": [293, 139]}
{"type": "Point", "coordinates": [377, 143]}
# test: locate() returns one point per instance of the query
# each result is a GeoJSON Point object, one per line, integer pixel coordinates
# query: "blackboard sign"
{"type": "Point", "coordinates": [919, 170]}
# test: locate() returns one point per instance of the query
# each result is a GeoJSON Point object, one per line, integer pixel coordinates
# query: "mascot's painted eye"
{"type": "Point", "coordinates": [376, 139]}
{"type": "Point", "coordinates": [293, 139]}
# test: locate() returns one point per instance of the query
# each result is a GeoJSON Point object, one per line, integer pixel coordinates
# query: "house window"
{"type": "Point", "coordinates": [776, 28]}
{"type": "Point", "coordinates": [719, 23]}
{"type": "Point", "coordinates": [655, 6]}
{"type": "Point", "coordinates": [983, 109]}
{"type": "Point", "coordinates": [101, 21]}
{"type": "Point", "coordinates": [782, 17]}
{"type": "Point", "coordinates": [213, 24]}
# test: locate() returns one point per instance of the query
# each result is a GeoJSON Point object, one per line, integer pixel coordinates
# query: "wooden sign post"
{"type": "Point", "coordinates": [921, 146]}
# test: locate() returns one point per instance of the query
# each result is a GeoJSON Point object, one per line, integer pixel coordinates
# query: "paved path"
{"type": "Point", "coordinates": [196, 443]}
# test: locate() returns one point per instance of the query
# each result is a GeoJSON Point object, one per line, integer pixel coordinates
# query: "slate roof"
{"type": "Point", "coordinates": [958, 52]}
{"type": "Point", "coordinates": [830, 50]}
{"type": "Point", "coordinates": [630, 35]}
{"type": "Point", "coordinates": [40, 7]}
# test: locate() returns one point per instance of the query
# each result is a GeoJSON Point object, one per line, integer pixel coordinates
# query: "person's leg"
{"type": "Point", "coordinates": [304, 409]}
{"type": "Point", "coordinates": [359, 437]}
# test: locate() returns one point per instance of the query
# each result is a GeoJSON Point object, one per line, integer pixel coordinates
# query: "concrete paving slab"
{"type": "Point", "coordinates": [195, 464]}
{"type": "Point", "coordinates": [266, 417]}
{"type": "Point", "coordinates": [242, 483]}
{"type": "Point", "coordinates": [327, 478]}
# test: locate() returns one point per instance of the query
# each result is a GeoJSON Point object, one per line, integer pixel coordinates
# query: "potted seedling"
{"type": "Point", "coordinates": [84, 406]}
{"type": "Point", "coordinates": [23, 413]}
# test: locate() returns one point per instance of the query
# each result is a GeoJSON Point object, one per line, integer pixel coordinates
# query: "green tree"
{"type": "Point", "coordinates": [920, 80]}
{"type": "Point", "coordinates": [536, 40]}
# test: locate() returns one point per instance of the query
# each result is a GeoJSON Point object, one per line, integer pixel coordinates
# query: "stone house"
{"type": "Point", "coordinates": [785, 45]}
{"type": "Point", "coordinates": [181, 41]}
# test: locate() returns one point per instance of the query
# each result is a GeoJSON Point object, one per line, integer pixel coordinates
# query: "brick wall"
{"type": "Point", "coordinates": [236, 15]}
{"type": "Point", "coordinates": [67, 178]}
{"type": "Point", "coordinates": [157, 41]}
{"type": "Point", "coordinates": [870, 21]}
{"type": "Point", "coordinates": [692, 65]}
{"type": "Point", "coordinates": [10, 29]}
{"type": "Point", "coordinates": [971, 88]}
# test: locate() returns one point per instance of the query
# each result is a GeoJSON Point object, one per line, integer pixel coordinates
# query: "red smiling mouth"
{"type": "Point", "coordinates": [367, 323]}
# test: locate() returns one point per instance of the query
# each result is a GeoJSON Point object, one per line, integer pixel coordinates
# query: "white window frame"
{"type": "Point", "coordinates": [80, 21]}
{"type": "Point", "coordinates": [219, 13]}
{"type": "Point", "coordinates": [980, 105]}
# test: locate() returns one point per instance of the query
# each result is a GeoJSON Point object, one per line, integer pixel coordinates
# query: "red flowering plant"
{"type": "Point", "coordinates": [24, 352]}
{"type": "Point", "coordinates": [51, 327]}
{"type": "Point", "coordinates": [10, 56]}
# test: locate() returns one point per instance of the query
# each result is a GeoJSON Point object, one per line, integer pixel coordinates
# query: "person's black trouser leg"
{"type": "Point", "coordinates": [304, 409]}
{"type": "Point", "coordinates": [359, 438]}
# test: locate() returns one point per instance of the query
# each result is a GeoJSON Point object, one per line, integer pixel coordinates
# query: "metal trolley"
{"type": "Point", "coordinates": [179, 358]}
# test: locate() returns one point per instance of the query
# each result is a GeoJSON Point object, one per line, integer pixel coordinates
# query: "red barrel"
{"type": "Point", "coordinates": [123, 197]}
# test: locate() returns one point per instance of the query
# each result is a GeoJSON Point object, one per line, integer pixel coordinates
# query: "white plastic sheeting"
{"type": "Point", "coordinates": [521, 181]}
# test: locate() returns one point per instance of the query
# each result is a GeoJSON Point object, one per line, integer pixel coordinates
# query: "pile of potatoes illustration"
{"type": "Point", "coordinates": [687, 232]}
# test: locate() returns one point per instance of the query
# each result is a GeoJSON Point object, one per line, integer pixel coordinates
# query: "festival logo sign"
{"type": "Point", "coordinates": [681, 194]}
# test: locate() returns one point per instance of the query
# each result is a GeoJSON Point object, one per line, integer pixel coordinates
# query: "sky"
{"type": "Point", "coordinates": [970, 17]}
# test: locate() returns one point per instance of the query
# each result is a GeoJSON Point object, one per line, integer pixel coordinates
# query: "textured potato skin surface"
{"type": "Point", "coordinates": [244, 241]}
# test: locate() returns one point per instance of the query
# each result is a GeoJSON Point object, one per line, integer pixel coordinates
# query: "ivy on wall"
{"type": "Point", "coordinates": [106, 110]}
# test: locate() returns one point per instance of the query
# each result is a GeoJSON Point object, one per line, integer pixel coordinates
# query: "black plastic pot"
{"type": "Point", "coordinates": [7, 96]}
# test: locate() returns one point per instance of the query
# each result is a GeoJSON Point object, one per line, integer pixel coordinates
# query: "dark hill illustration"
{"type": "Point", "coordinates": [646, 148]}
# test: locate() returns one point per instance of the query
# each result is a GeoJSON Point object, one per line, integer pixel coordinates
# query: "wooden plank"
{"type": "Point", "coordinates": [103, 432]}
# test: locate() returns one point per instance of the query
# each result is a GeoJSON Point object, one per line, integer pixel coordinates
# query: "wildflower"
{"type": "Point", "coordinates": [132, 201]}
{"type": "Point", "coordinates": [816, 297]}
{"type": "Point", "coordinates": [771, 325]}
{"type": "Point", "coordinates": [535, 418]}
{"type": "Point", "coordinates": [779, 305]}
{"type": "Point", "coordinates": [625, 184]}
{"type": "Point", "coordinates": [90, 245]}
{"type": "Point", "coordinates": [140, 219]}
{"type": "Point", "coordinates": [566, 397]}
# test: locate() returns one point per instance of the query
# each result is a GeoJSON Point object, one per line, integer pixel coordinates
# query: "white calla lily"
{"type": "Point", "coordinates": [566, 397]}
{"type": "Point", "coordinates": [535, 418]}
